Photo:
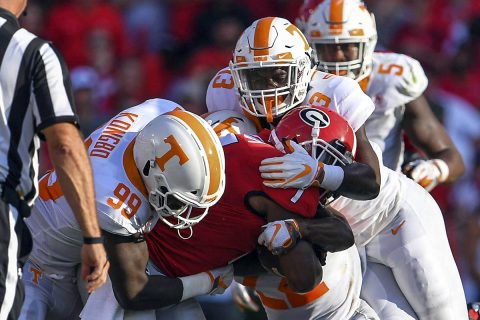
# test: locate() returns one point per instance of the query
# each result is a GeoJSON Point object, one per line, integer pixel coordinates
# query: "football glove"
{"type": "Point", "coordinates": [427, 173]}
{"type": "Point", "coordinates": [243, 298]}
{"type": "Point", "coordinates": [280, 236]}
{"type": "Point", "coordinates": [294, 170]}
{"type": "Point", "coordinates": [221, 278]}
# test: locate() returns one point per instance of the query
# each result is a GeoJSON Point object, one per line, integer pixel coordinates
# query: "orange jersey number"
{"type": "Point", "coordinates": [318, 99]}
{"type": "Point", "coordinates": [396, 69]}
{"type": "Point", "coordinates": [123, 195]}
{"type": "Point", "coordinates": [224, 80]}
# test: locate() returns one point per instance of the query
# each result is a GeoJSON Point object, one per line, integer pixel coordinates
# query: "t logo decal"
{"type": "Point", "coordinates": [225, 125]}
{"type": "Point", "coordinates": [37, 274]}
{"type": "Point", "coordinates": [175, 150]}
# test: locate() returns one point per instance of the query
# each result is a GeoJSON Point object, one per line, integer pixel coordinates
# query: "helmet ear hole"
{"type": "Point", "coordinates": [146, 169]}
{"type": "Point", "coordinates": [163, 189]}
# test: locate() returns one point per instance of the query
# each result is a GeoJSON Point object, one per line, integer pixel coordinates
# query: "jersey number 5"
{"type": "Point", "coordinates": [396, 69]}
{"type": "Point", "coordinates": [318, 99]}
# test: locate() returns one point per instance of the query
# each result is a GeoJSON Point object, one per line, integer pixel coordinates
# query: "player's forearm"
{"type": "Point", "coordinates": [134, 289]}
{"type": "Point", "coordinates": [329, 233]}
{"type": "Point", "coordinates": [158, 292]}
{"type": "Point", "coordinates": [75, 176]}
{"type": "Point", "coordinates": [454, 161]}
{"type": "Point", "coordinates": [362, 179]}
{"type": "Point", "coordinates": [430, 136]}
{"type": "Point", "coordinates": [359, 182]}
{"type": "Point", "coordinates": [434, 141]}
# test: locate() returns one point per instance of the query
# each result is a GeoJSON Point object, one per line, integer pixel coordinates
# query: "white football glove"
{"type": "Point", "coordinates": [242, 297]}
{"type": "Point", "coordinates": [221, 278]}
{"type": "Point", "coordinates": [280, 236]}
{"type": "Point", "coordinates": [294, 170]}
{"type": "Point", "coordinates": [427, 173]}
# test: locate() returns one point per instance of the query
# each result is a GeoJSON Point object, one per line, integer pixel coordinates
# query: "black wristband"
{"type": "Point", "coordinates": [92, 240]}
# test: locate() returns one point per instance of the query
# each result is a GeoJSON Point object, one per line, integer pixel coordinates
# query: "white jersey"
{"type": "Point", "coordinates": [396, 79]}
{"type": "Point", "coordinates": [340, 94]}
{"type": "Point", "coordinates": [335, 298]}
{"type": "Point", "coordinates": [367, 218]}
{"type": "Point", "coordinates": [121, 197]}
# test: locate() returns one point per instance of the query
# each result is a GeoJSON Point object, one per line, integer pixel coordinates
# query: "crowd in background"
{"type": "Point", "coordinates": [122, 52]}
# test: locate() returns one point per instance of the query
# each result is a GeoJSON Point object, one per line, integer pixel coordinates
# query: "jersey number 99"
{"type": "Point", "coordinates": [124, 196]}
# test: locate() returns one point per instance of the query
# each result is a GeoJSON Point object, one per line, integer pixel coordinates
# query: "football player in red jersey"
{"type": "Point", "coordinates": [233, 225]}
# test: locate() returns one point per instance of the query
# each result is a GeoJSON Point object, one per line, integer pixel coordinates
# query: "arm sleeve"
{"type": "Point", "coordinates": [53, 97]}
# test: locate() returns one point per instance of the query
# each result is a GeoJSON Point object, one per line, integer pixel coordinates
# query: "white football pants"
{"type": "Point", "coordinates": [49, 297]}
{"type": "Point", "coordinates": [415, 247]}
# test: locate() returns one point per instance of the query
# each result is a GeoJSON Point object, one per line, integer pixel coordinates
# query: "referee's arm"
{"type": "Point", "coordinates": [57, 122]}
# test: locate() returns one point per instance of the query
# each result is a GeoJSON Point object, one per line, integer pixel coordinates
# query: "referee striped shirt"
{"type": "Point", "coordinates": [35, 92]}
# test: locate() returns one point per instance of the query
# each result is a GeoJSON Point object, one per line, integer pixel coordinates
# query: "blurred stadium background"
{"type": "Point", "coordinates": [121, 52]}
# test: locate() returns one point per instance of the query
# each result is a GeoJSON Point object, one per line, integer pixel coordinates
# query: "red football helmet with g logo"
{"type": "Point", "coordinates": [325, 134]}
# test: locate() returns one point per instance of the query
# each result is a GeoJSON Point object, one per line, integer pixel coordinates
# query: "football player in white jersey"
{"type": "Point", "coordinates": [402, 229]}
{"type": "Point", "coordinates": [271, 72]}
{"type": "Point", "coordinates": [337, 297]}
{"type": "Point", "coordinates": [154, 155]}
{"type": "Point", "coordinates": [343, 35]}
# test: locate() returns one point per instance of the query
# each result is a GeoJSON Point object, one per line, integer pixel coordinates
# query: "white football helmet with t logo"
{"type": "Point", "coordinates": [343, 35]}
{"type": "Point", "coordinates": [271, 67]}
{"type": "Point", "coordinates": [182, 164]}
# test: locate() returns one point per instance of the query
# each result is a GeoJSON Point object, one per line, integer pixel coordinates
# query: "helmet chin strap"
{"type": "Point", "coordinates": [179, 232]}
{"type": "Point", "coordinates": [315, 135]}
{"type": "Point", "coordinates": [268, 108]}
{"type": "Point", "coordinates": [278, 144]}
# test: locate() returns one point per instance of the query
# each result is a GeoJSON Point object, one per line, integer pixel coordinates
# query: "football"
{"type": "Point", "coordinates": [300, 266]}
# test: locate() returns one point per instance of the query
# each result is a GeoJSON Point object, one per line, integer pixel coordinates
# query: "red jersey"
{"type": "Point", "coordinates": [230, 229]}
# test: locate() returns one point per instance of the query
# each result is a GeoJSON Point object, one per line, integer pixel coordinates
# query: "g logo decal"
{"type": "Point", "coordinates": [313, 116]}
